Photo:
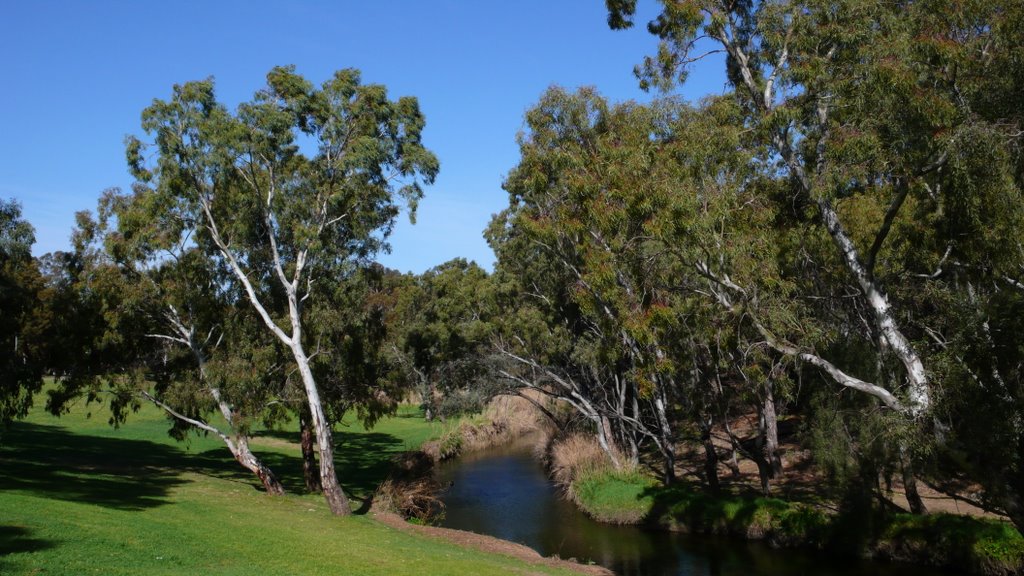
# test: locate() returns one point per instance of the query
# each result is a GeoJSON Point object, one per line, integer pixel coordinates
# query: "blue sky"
{"type": "Point", "coordinates": [77, 74]}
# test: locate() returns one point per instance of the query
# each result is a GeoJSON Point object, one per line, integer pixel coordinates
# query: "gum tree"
{"type": "Point", "coordinates": [21, 361]}
{"type": "Point", "coordinates": [289, 194]}
{"type": "Point", "coordinates": [893, 129]}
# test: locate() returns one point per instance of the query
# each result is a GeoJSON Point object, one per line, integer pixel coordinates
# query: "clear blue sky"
{"type": "Point", "coordinates": [77, 74]}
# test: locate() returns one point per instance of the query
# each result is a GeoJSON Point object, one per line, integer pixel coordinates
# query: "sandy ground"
{"type": "Point", "coordinates": [489, 544]}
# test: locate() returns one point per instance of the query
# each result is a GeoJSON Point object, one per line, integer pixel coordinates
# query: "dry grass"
{"type": "Point", "coordinates": [411, 489]}
{"type": "Point", "coordinates": [516, 415]}
{"type": "Point", "coordinates": [504, 419]}
{"type": "Point", "coordinates": [576, 457]}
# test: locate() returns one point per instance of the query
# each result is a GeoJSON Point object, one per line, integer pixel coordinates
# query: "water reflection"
{"type": "Point", "coordinates": [505, 493]}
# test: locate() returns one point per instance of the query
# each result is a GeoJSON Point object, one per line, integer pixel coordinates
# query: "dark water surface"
{"type": "Point", "coordinates": [504, 492]}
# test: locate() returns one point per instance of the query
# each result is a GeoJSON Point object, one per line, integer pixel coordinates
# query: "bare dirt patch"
{"type": "Point", "coordinates": [801, 480]}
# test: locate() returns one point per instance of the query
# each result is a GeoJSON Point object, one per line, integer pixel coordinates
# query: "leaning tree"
{"type": "Point", "coordinates": [894, 132]}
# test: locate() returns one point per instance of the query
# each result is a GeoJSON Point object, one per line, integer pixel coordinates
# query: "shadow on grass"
{"type": "Point", "coordinates": [362, 460]}
{"type": "Point", "coordinates": [17, 539]}
{"type": "Point", "coordinates": [120, 473]}
{"type": "Point", "coordinates": [14, 539]}
{"type": "Point", "coordinates": [117, 473]}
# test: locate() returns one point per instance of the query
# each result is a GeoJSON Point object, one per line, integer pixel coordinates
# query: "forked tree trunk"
{"type": "Point", "coordinates": [239, 446]}
{"type": "Point", "coordinates": [310, 470]}
{"type": "Point", "coordinates": [605, 438]}
{"type": "Point", "coordinates": [336, 499]}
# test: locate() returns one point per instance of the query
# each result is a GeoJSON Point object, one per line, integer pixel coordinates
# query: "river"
{"type": "Point", "coordinates": [505, 493]}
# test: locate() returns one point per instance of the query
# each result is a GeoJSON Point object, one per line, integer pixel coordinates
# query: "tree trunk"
{"type": "Point", "coordinates": [764, 473]}
{"type": "Point", "coordinates": [670, 465]}
{"type": "Point", "coordinates": [668, 446]}
{"type": "Point", "coordinates": [918, 389]}
{"type": "Point", "coordinates": [336, 499]}
{"type": "Point", "coordinates": [246, 458]}
{"type": "Point", "coordinates": [771, 431]}
{"type": "Point", "coordinates": [733, 462]}
{"type": "Point", "coordinates": [604, 433]}
{"type": "Point", "coordinates": [428, 401]}
{"type": "Point", "coordinates": [239, 446]}
{"type": "Point", "coordinates": [910, 483]}
{"type": "Point", "coordinates": [710, 455]}
{"type": "Point", "coordinates": [310, 471]}
{"type": "Point", "coordinates": [760, 453]}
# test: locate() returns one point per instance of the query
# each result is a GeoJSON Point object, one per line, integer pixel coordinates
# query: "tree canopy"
{"type": "Point", "coordinates": [287, 196]}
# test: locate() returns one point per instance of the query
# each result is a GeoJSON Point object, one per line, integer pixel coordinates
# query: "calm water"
{"type": "Point", "coordinates": [504, 492]}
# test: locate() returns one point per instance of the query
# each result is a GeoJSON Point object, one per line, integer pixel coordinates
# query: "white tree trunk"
{"type": "Point", "coordinates": [918, 389]}
{"type": "Point", "coordinates": [336, 499]}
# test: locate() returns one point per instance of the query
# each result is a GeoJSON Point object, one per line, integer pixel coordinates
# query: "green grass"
{"type": "Point", "coordinates": [976, 544]}
{"type": "Point", "coordinates": [962, 543]}
{"type": "Point", "coordinates": [615, 497]}
{"type": "Point", "coordinates": [79, 497]}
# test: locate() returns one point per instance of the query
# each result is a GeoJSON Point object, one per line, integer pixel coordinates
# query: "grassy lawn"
{"type": "Point", "coordinates": [79, 497]}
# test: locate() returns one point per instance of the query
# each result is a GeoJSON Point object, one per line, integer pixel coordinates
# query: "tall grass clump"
{"type": "Point", "coordinates": [588, 477]}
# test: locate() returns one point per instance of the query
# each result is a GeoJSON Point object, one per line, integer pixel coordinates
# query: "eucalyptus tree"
{"type": "Point", "coordinates": [145, 318]}
{"type": "Point", "coordinates": [637, 213]}
{"type": "Point", "coordinates": [21, 361]}
{"type": "Point", "coordinates": [441, 328]}
{"type": "Point", "coordinates": [288, 194]}
{"type": "Point", "coordinates": [897, 128]}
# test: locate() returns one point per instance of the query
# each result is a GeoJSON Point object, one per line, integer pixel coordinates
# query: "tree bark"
{"type": "Point", "coordinates": [246, 458]}
{"type": "Point", "coordinates": [668, 446]}
{"type": "Point", "coordinates": [771, 431]}
{"type": "Point", "coordinates": [710, 455]}
{"type": "Point", "coordinates": [336, 499]}
{"type": "Point", "coordinates": [918, 389]}
{"type": "Point", "coordinates": [766, 443]}
{"type": "Point", "coordinates": [604, 434]}
{"type": "Point", "coordinates": [239, 447]}
{"type": "Point", "coordinates": [310, 470]}
{"type": "Point", "coordinates": [910, 483]}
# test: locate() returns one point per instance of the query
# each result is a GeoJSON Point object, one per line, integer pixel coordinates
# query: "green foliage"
{"type": "Point", "coordinates": [23, 321]}
{"type": "Point", "coordinates": [885, 140]}
{"type": "Point", "coordinates": [974, 544]}
{"type": "Point", "coordinates": [439, 333]}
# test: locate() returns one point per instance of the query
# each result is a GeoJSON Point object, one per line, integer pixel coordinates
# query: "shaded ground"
{"type": "Point", "coordinates": [800, 480]}
{"type": "Point", "coordinates": [77, 497]}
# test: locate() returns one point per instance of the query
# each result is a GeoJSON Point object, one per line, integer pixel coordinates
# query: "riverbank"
{"type": "Point", "coordinates": [80, 497]}
{"type": "Point", "coordinates": [974, 545]}
{"type": "Point", "coordinates": [488, 544]}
